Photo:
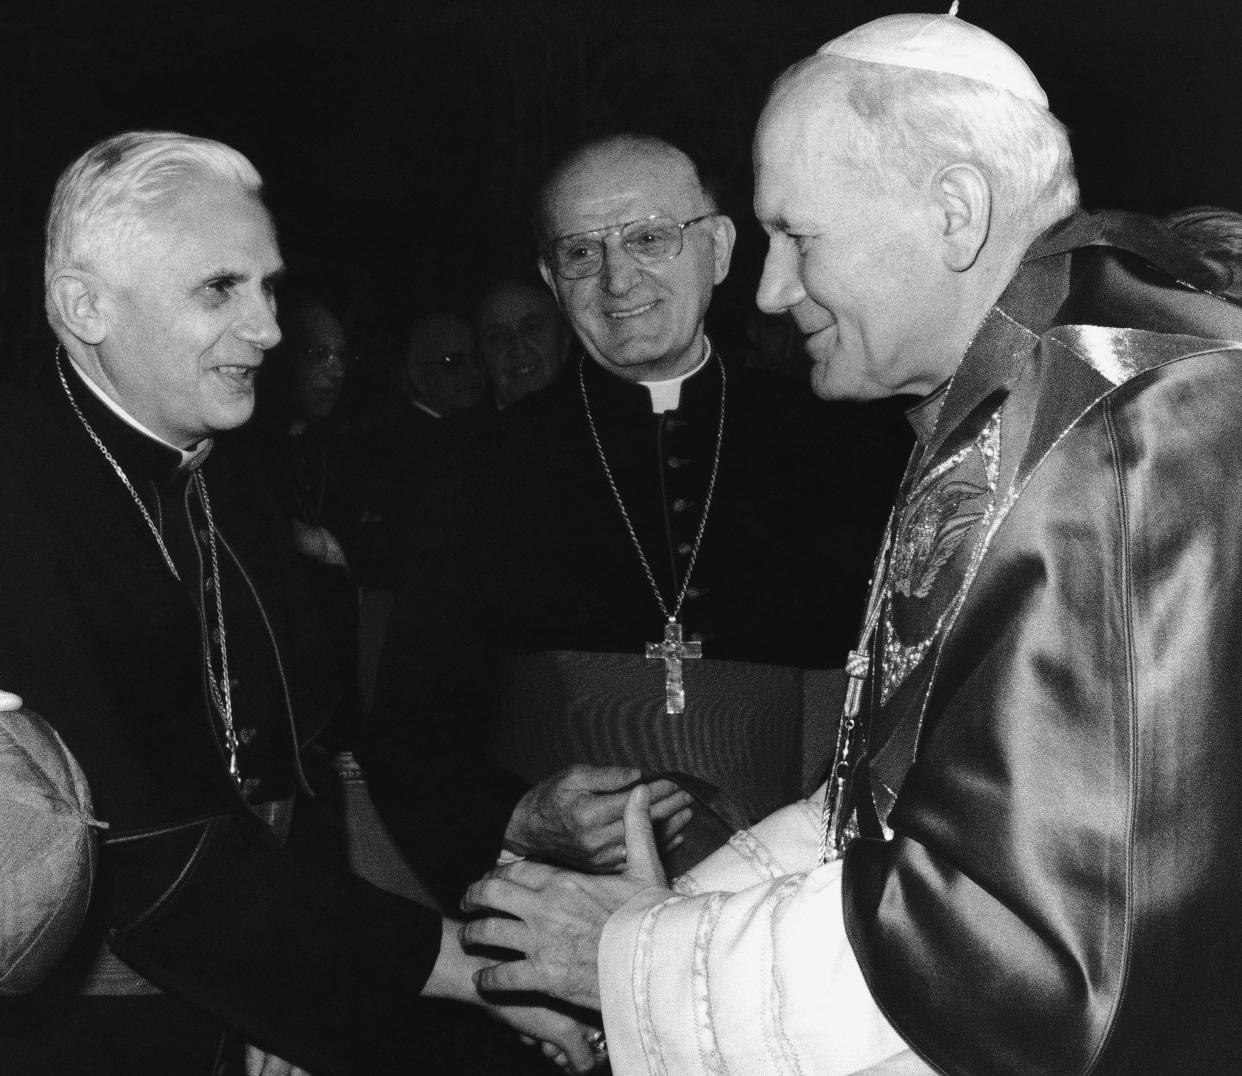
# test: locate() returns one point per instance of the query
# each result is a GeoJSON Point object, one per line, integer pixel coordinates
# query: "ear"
{"type": "Point", "coordinates": [724, 235]}
{"type": "Point", "coordinates": [545, 271]}
{"type": "Point", "coordinates": [963, 200]}
{"type": "Point", "coordinates": [76, 295]}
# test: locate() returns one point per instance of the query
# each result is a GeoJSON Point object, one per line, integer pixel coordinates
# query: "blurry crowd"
{"type": "Point", "coordinates": [350, 440]}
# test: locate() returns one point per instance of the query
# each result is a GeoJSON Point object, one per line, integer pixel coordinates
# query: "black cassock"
{"type": "Point", "coordinates": [518, 643]}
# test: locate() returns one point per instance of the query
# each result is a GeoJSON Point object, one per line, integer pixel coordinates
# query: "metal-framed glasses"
{"type": "Point", "coordinates": [649, 240]}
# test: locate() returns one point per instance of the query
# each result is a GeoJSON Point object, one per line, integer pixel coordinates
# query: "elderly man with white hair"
{"type": "Point", "coordinates": [153, 614]}
{"type": "Point", "coordinates": [1026, 857]}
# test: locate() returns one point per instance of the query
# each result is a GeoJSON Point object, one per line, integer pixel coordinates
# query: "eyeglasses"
{"type": "Point", "coordinates": [652, 239]}
{"type": "Point", "coordinates": [317, 356]}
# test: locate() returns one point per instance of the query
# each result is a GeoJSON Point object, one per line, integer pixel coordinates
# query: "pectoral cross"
{"type": "Point", "coordinates": [672, 650]}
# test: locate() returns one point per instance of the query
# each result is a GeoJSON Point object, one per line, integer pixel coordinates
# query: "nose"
{"type": "Point", "coordinates": [780, 287]}
{"type": "Point", "coordinates": [258, 324]}
{"type": "Point", "coordinates": [619, 273]}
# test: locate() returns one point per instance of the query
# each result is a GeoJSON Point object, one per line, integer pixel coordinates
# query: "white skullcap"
{"type": "Point", "coordinates": [939, 43]}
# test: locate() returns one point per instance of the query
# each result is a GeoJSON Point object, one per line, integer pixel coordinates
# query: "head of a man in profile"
{"type": "Point", "coordinates": [632, 245]}
{"type": "Point", "coordinates": [900, 174]}
{"type": "Point", "coordinates": [523, 340]}
{"type": "Point", "coordinates": [160, 267]}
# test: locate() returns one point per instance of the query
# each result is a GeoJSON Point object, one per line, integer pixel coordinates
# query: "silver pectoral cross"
{"type": "Point", "coordinates": [672, 651]}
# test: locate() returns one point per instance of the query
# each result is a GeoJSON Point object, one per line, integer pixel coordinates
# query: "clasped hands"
{"type": "Point", "coordinates": [575, 817]}
{"type": "Point", "coordinates": [554, 917]}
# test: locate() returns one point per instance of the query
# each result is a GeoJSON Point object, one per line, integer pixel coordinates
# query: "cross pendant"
{"type": "Point", "coordinates": [672, 650]}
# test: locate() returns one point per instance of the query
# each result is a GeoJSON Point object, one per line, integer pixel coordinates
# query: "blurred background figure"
{"type": "Point", "coordinates": [522, 337]}
{"type": "Point", "coordinates": [1217, 233]}
{"type": "Point", "coordinates": [299, 393]}
{"type": "Point", "coordinates": [442, 371]}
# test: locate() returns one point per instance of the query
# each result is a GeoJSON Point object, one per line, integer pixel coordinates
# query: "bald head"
{"type": "Point", "coordinates": [608, 155]}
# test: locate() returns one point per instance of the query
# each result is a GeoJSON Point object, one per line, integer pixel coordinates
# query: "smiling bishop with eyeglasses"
{"type": "Point", "coordinates": [633, 574]}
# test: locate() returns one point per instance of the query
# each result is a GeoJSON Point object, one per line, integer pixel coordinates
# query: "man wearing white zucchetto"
{"type": "Point", "coordinates": [1028, 857]}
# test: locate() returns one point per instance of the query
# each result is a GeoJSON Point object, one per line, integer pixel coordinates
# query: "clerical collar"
{"type": "Point", "coordinates": [190, 458]}
{"type": "Point", "coordinates": [666, 395]}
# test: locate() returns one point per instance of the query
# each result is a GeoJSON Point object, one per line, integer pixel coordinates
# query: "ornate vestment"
{"type": "Point", "coordinates": [1044, 778]}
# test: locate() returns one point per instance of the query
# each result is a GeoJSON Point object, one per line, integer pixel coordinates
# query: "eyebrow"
{"type": "Point", "coordinates": [273, 279]}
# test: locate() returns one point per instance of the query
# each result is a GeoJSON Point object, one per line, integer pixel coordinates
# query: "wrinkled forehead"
{"type": "Point", "coordinates": [616, 184]}
{"type": "Point", "coordinates": [804, 128]}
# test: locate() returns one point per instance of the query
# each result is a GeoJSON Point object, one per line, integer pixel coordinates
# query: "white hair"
{"type": "Point", "coordinates": [102, 200]}
{"type": "Point", "coordinates": [914, 122]}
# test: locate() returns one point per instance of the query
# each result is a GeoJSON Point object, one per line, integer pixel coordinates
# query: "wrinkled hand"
{"type": "Point", "coordinates": [575, 817]}
{"type": "Point", "coordinates": [261, 1063]}
{"type": "Point", "coordinates": [562, 1038]}
{"type": "Point", "coordinates": [9, 701]}
{"type": "Point", "coordinates": [560, 914]}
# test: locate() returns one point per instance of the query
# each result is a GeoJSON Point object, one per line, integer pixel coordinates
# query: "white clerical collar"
{"type": "Point", "coordinates": [187, 455]}
{"type": "Point", "coordinates": [666, 395]}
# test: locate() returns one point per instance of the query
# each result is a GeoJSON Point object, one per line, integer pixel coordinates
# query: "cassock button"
{"type": "Point", "coordinates": [204, 535]}
{"type": "Point", "coordinates": [250, 785]}
{"type": "Point", "coordinates": [677, 461]}
{"type": "Point", "coordinates": [684, 548]}
{"type": "Point", "coordinates": [695, 592]}
{"type": "Point", "coordinates": [682, 504]}
{"type": "Point", "coordinates": [697, 637]}
{"type": "Point", "coordinates": [209, 584]}
{"type": "Point", "coordinates": [674, 423]}
{"type": "Point", "coordinates": [246, 736]}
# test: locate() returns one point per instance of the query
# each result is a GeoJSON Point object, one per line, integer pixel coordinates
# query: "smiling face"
{"type": "Point", "coordinates": [189, 311]}
{"type": "Point", "coordinates": [640, 322]}
{"type": "Point", "coordinates": [856, 263]}
{"type": "Point", "coordinates": [522, 338]}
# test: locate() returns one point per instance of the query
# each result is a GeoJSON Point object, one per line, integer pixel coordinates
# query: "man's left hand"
{"type": "Point", "coordinates": [560, 915]}
{"type": "Point", "coordinates": [9, 701]}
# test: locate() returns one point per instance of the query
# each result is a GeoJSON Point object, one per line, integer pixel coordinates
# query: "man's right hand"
{"type": "Point", "coordinates": [9, 701]}
{"type": "Point", "coordinates": [575, 817]}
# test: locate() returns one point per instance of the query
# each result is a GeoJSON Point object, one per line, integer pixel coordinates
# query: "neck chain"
{"type": "Point", "coordinates": [221, 690]}
{"type": "Point", "coordinates": [836, 830]}
{"type": "Point", "coordinates": [672, 649]}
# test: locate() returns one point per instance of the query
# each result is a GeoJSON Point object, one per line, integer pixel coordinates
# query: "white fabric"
{"type": "Point", "coordinates": [188, 455]}
{"type": "Point", "coordinates": [746, 969]}
{"type": "Point", "coordinates": [666, 394]}
{"type": "Point", "coordinates": [939, 43]}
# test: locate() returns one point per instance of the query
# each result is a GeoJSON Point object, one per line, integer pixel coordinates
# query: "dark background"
{"type": "Point", "coordinates": [401, 141]}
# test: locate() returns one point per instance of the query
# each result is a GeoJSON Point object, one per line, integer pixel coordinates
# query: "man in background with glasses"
{"type": "Point", "coordinates": [626, 576]}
